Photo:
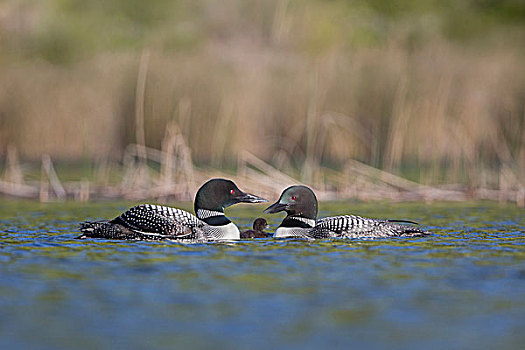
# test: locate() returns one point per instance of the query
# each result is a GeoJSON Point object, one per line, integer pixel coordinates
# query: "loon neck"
{"type": "Point", "coordinates": [213, 217]}
{"type": "Point", "coordinates": [297, 221]}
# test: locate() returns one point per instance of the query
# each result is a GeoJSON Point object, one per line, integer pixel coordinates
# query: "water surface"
{"type": "Point", "coordinates": [462, 287]}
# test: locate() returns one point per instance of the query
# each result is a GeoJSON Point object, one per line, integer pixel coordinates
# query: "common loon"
{"type": "Point", "coordinates": [300, 204]}
{"type": "Point", "coordinates": [259, 225]}
{"type": "Point", "coordinates": [148, 221]}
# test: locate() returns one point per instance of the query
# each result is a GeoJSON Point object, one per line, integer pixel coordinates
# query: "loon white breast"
{"type": "Point", "coordinates": [300, 204]}
{"type": "Point", "coordinates": [148, 221]}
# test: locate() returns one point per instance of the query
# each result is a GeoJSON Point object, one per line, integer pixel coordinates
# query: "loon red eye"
{"type": "Point", "coordinates": [293, 198]}
{"type": "Point", "coordinates": [231, 191]}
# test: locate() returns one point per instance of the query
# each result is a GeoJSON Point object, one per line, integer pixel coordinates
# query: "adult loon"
{"type": "Point", "coordinates": [259, 225]}
{"type": "Point", "coordinates": [156, 222]}
{"type": "Point", "coordinates": [300, 204]}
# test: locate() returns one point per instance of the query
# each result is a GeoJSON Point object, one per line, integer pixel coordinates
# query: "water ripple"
{"type": "Point", "coordinates": [460, 287]}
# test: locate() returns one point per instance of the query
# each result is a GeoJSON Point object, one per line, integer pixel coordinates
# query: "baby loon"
{"type": "Point", "coordinates": [300, 204]}
{"type": "Point", "coordinates": [258, 229]}
{"type": "Point", "coordinates": [156, 222]}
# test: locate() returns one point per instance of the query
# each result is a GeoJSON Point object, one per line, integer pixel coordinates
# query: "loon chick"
{"type": "Point", "coordinates": [148, 221]}
{"type": "Point", "coordinates": [300, 205]}
{"type": "Point", "coordinates": [259, 225]}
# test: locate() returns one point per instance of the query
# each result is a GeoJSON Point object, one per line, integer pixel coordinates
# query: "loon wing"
{"type": "Point", "coordinates": [339, 226]}
{"type": "Point", "coordinates": [157, 220]}
{"type": "Point", "coordinates": [353, 226]}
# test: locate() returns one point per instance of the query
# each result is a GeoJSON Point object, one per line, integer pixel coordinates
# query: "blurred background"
{"type": "Point", "coordinates": [369, 99]}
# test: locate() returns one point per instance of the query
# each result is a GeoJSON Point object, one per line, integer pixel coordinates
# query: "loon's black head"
{"type": "Point", "coordinates": [217, 194]}
{"type": "Point", "coordinates": [296, 201]}
{"type": "Point", "coordinates": [260, 224]}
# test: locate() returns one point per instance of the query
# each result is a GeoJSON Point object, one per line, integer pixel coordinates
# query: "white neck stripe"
{"type": "Point", "coordinates": [309, 222]}
{"type": "Point", "coordinates": [205, 213]}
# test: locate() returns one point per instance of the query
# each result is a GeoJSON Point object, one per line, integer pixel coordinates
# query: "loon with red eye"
{"type": "Point", "coordinates": [155, 222]}
{"type": "Point", "coordinates": [301, 220]}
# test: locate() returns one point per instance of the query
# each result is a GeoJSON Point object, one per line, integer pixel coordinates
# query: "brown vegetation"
{"type": "Point", "coordinates": [289, 89]}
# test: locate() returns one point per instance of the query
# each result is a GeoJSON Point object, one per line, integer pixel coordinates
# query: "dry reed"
{"type": "Point", "coordinates": [288, 90]}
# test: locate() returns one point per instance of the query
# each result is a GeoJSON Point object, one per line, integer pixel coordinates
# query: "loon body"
{"type": "Point", "coordinates": [300, 204]}
{"type": "Point", "coordinates": [259, 225]}
{"type": "Point", "coordinates": [157, 222]}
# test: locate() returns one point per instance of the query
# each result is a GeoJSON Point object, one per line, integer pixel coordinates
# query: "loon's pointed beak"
{"type": "Point", "coordinates": [250, 198]}
{"type": "Point", "coordinates": [275, 208]}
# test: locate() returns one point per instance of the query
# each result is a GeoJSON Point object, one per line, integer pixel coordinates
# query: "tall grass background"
{"type": "Point", "coordinates": [431, 91]}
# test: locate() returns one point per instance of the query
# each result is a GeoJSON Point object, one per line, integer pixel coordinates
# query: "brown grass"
{"type": "Point", "coordinates": [291, 94]}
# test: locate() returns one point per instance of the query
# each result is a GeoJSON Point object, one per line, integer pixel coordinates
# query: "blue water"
{"type": "Point", "coordinates": [462, 287]}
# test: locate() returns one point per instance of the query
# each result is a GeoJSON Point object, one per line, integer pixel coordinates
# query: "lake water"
{"type": "Point", "coordinates": [462, 287]}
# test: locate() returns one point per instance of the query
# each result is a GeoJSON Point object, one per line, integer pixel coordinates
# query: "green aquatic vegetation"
{"type": "Point", "coordinates": [371, 293]}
